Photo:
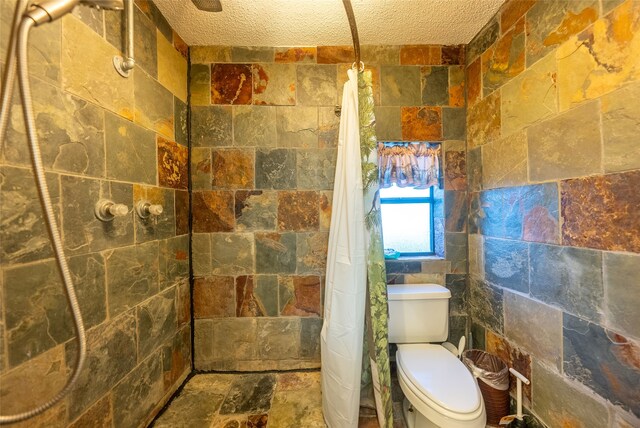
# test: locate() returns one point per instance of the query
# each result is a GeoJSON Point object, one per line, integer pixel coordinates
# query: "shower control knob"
{"type": "Point", "coordinates": [107, 210]}
{"type": "Point", "coordinates": [144, 209]}
{"type": "Point", "coordinates": [155, 209]}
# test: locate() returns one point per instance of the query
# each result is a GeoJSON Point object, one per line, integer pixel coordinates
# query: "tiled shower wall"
{"type": "Point", "coordinates": [554, 171]}
{"type": "Point", "coordinates": [102, 136]}
{"type": "Point", "coordinates": [264, 138]}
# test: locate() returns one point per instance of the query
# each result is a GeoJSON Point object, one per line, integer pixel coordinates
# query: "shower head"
{"type": "Point", "coordinates": [50, 10]}
{"type": "Point", "coordinates": [208, 5]}
{"type": "Point", "coordinates": [104, 4]}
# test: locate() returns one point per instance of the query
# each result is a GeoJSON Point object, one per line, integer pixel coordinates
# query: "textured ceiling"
{"type": "Point", "coordinates": [323, 22]}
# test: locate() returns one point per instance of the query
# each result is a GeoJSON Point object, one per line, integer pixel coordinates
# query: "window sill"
{"type": "Point", "coordinates": [416, 259]}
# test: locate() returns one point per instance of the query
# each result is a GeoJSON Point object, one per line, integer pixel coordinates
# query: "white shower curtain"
{"type": "Point", "coordinates": [345, 292]}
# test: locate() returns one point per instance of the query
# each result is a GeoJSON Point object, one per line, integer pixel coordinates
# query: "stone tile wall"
{"type": "Point", "coordinates": [554, 170]}
{"type": "Point", "coordinates": [264, 136]}
{"type": "Point", "coordinates": [102, 137]}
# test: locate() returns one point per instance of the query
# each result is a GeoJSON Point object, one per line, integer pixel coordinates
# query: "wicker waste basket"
{"type": "Point", "coordinates": [493, 379]}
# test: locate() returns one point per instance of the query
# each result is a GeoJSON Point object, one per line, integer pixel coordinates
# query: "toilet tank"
{"type": "Point", "coordinates": [418, 313]}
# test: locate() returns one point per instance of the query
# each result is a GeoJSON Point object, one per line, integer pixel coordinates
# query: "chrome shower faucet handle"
{"type": "Point", "coordinates": [107, 210]}
{"type": "Point", "coordinates": [144, 209]}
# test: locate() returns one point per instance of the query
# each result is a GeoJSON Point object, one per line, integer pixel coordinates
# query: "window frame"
{"type": "Point", "coordinates": [417, 200]}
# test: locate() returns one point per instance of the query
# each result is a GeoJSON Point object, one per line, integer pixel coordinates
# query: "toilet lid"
{"type": "Point", "coordinates": [439, 375]}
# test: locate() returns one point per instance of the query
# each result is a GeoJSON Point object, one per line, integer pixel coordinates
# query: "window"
{"type": "Point", "coordinates": [407, 220]}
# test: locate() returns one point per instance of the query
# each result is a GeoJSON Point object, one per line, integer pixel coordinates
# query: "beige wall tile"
{"type": "Point", "coordinates": [568, 145]}
{"type": "Point", "coordinates": [172, 68]}
{"type": "Point", "coordinates": [620, 125]}
{"type": "Point", "coordinates": [558, 402]}
{"type": "Point", "coordinates": [210, 54]}
{"type": "Point", "coordinates": [504, 162]}
{"type": "Point", "coordinates": [546, 342]}
{"type": "Point", "coordinates": [88, 72]}
{"type": "Point", "coordinates": [530, 97]}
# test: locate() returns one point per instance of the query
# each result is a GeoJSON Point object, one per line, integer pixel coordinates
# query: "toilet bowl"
{"type": "Point", "coordinates": [439, 390]}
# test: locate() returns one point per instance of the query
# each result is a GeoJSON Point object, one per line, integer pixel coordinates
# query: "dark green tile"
{"type": "Point", "coordinates": [457, 328]}
{"type": "Point", "coordinates": [232, 253]}
{"type": "Point", "coordinates": [400, 85]}
{"type": "Point", "coordinates": [176, 358]}
{"type": "Point", "coordinates": [200, 84]}
{"type": "Point", "coordinates": [435, 85]}
{"type": "Point", "coordinates": [620, 271]}
{"type": "Point", "coordinates": [312, 251]}
{"type": "Point", "coordinates": [506, 263]}
{"type": "Point", "coordinates": [211, 126]}
{"type": "Point", "coordinates": [83, 232]}
{"type": "Point", "coordinates": [135, 398]}
{"type": "Point", "coordinates": [456, 251]}
{"type": "Point", "coordinates": [23, 235]}
{"type": "Point", "coordinates": [457, 284]}
{"type": "Point", "coordinates": [388, 123]}
{"type": "Point", "coordinates": [592, 357]}
{"type": "Point", "coordinates": [250, 393]}
{"type": "Point", "coordinates": [180, 112]}
{"type": "Point", "coordinates": [174, 261]}
{"type": "Point", "coordinates": [454, 123]}
{"type": "Point", "coordinates": [455, 211]}
{"type": "Point", "coordinates": [310, 338]}
{"type": "Point", "coordinates": [267, 292]}
{"type": "Point", "coordinates": [111, 354]}
{"type": "Point", "coordinates": [145, 45]}
{"type": "Point", "coordinates": [316, 85]}
{"type": "Point", "coordinates": [568, 277]}
{"type": "Point", "coordinates": [131, 151]}
{"type": "Point", "coordinates": [485, 304]}
{"type": "Point", "coordinates": [278, 338]}
{"type": "Point", "coordinates": [201, 247]}
{"type": "Point", "coordinates": [153, 105]}
{"type": "Point", "coordinates": [477, 332]}
{"type": "Point", "coordinates": [316, 168]}
{"type": "Point", "coordinates": [275, 252]}
{"type": "Point", "coordinates": [276, 169]}
{"type": "Point", "coordinates": [252, 54]}
{"type": "Point", "coordinates": [132, 275]}
{"type": "Point", "coordinates": [72, 128]}
{"type": "Point", "coordinates": [37, 317]}
{"type": "Point", "coordinates": [156, 321]}
{"type": "Point", "coordinates": [297, 127]}
{"type": "Point", "coordinates": [90, 16]}
{"type": "Point", "coordinates": [151, 10]}
{"type": "Point", "coordinates": [254, 126]}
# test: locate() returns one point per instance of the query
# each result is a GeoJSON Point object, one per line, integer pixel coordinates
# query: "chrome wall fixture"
{"type": "Point", "coordinates": [145, 209]}
{"type": "Point", "coordinates": [125, 64]}
{"type": "Point", "coordinates": [107, 210]}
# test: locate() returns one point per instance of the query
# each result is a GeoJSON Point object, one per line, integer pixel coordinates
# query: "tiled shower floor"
{"type": "Point", "coordinates": [252, 400]}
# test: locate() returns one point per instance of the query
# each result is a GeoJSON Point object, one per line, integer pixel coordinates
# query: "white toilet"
{"type": "Point", "coordinates": [440, 391]}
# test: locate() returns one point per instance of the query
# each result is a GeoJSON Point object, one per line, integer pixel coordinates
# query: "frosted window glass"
{"type": "Point", "coordinates": [404, 192]}
{"type": "Point", "coordinates": [407, 227]}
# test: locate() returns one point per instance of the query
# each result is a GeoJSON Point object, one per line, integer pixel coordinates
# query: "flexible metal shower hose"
{"type": "Point", "coordinates": [45, 199]}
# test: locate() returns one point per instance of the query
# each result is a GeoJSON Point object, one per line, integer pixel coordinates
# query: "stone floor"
{"type": "Point", "coordinates": [252, 400]}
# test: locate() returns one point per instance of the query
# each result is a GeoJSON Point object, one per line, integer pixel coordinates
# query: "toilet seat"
{"type": "Point", "coordinates": [437, 384]}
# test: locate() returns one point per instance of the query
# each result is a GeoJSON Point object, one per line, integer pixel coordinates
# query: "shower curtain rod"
{"type": "Point", "coordinates": [356, 41]}
{"type": "Point", "coordinates": [354, 30]}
